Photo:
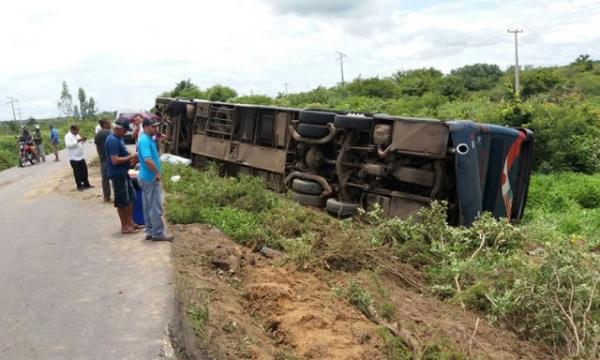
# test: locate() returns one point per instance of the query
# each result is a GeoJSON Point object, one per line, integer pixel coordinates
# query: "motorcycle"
{"type": "Point", "coordinates": [26, 153]}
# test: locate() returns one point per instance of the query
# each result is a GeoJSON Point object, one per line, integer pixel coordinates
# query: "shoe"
{"type": "Point", "coordinates": [80, 188]}
{"type": "Point", "coordinates": [107, 199]}
{"type": "Point", "coordinates": [148, 237]}
{"type": "Point", "coordinates": [88, 186]}
{"type": "Point", "coordinates": [163, 238]}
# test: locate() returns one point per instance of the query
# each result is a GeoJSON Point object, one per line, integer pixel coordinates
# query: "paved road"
{"type": "Point", "coordinates": [72, 287]}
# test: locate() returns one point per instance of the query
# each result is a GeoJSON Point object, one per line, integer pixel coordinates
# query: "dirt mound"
{"type": "Point", "coordinates": [303, 313]}
{"type": "Point", "coordinates": [260, 308]}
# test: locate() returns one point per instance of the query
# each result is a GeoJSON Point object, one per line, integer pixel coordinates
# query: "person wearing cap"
{"type": "Point", "coordinates": [74, 144]}
{"type": "Point", "coordinates": [118, 160]}
{"type": "Point", "coordinates": [39, 146]}
{"type": "Point", "coordinates": [54, 141]}
{"type": "Point", "coordinates": [149, 180]}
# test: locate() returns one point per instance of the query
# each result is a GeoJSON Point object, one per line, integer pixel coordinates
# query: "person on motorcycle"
{"type": "Point", "coordinates": [39, 147]}
{"type": "Point", "coordinates": [26, 146]}
{"type": "Point", "coordinates": [25, 136]}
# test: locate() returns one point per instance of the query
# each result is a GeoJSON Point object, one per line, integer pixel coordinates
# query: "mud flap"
{"type": "Point", "coordinates": [466, 163]}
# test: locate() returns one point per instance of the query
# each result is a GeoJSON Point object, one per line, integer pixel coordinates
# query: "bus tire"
{"type": "Point", "coordinates": [313, 131]}
{"type": "Point", "coordinates": [309, 200]}
{"type": "Point", "coordinates": [306, 187]}
{"type": "Point", "coordinates": [353, 122]}
{"type": "Point", "coordinates": [341, 208]}
{"type": "Point", "coordinates": [316, 117]}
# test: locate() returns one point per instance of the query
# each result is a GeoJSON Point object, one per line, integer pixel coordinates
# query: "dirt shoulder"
{"type": "Point", "coordinates": [242, 304]}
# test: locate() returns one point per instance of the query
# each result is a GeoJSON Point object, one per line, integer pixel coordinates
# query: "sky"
{"type": "Point", "coordinates": [124, 53]}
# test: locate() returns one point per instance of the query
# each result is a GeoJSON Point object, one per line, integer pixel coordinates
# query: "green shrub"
{"type": "Point", "coordinates": [7, 159]}
{"type": "Point", "coordinates": [538, 279]}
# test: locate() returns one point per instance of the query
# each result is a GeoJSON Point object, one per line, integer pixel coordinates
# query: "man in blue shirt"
{"type": "Point", "coordinates": [54, 142]}
{"type": "Point", "coordinates": [149, 180]}
{"type": "Point", "coordinates": [118, 161]}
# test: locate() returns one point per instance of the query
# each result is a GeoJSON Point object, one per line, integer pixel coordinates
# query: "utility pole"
{"type": "Point", "coordinates": [517, 84]}
{"type": "Point", "coordinates": [19, 111]}
{"type": "Point", "coordinates": [12, 101]}
{"type": "Point", "coordinates": [341, 57]}
{"type": "Point", "coordinates": [286, 88]}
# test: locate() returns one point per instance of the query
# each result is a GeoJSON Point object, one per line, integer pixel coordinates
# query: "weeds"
{"type": "Point", "coordinates": [393, 346]}
{"type": "Point", "coordinates": [198, 313]}
{"type": "Point", "coordinates": [538, 279]}
{"type": "Point", "coordinates": [356, 295]}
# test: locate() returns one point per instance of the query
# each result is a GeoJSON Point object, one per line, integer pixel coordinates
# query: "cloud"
{"type": "Point", "coordinates": [315, 7]}
{"type": "Point", "coordinates": [125, 58]}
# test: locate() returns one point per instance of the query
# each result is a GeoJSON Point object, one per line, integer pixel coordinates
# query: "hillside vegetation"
{"type": "Point", "coordinates": [560, 104]}
{"type": "Point", "coordinates": [539, 278]}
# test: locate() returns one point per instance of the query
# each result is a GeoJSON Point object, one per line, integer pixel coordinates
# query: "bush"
{"type": "Point", "coordinates": [479, 76]}
{"type": "Point", "coordinates": [567, 136]}
{"type": "Point", "coordinates": [538, 81]}
{"type": "Point", "coordinates": [373, 87]}
{"type": "Point", "coordinates": [8, 159]}
{"type": "Point", "coordinates": [539, 279]}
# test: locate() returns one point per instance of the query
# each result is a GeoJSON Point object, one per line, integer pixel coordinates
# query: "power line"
{"type": "Point", "coordinates": [12, 101]}
{"type": "Point", "coordinates": [341, 57]}
{"type": "Point", "coordinates": [517, 84]}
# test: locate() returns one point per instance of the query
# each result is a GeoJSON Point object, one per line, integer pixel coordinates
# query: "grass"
{"type": "Point", "coordinates": [538, 279]}
{"type": "Point", "coordinates": [568, 203]}
{"type": "Point", "coordinates": [198, 313]}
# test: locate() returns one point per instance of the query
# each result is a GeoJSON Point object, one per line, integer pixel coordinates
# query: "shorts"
{"type": "Point", "coordinates": [123, 190]}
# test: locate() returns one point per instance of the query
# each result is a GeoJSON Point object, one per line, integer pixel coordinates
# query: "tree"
{"type": "Point", "coordinates": [419, 81]}
{"type": "Point", "coordinates": [82, 103]}
{"type": "Point", "coordinates": [452, 86]}
{"type": "Point", "coordinates": [583, 62]}
{"type": "Point", "coordinates": [220, 93]}
{"type": "Point", "coordinates": [538, 81]}
{"type": "Point", "coordinates": [76, 114]}
{"type": "Point", "coordinates": [65, 103]}
{"type": "Point", "coordinates": [31, 121]}
{"type": "Point", "coordinates": [186, 89]}
{"type": "Point", "coordinates": [373, 87]}
{"type": "Point", "coordinates": [91, 109]}
{"type": "Point", "coordinates": [479, 76]}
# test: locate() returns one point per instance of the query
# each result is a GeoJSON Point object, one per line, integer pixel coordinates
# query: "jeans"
{"type": "Point", "coordinates": [80, 172]}
{"type": "Point", "coordinates": [152, 204]}
{"type": "Point", "coordinates": [105, 181]}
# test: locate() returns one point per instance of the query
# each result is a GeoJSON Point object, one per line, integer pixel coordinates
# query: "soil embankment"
{"type": "Point", "coordinates": [242, 304]}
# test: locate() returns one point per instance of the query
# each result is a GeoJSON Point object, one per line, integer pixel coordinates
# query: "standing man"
{"type": "Point", "coordinates": [74, 143]}
{"type": "Point", "coordinates": [100, 140]}
{"type": "Point", "coordinates": [39, 146]}
{"type": "Point", "coordinates": [54, 142]}
{"type": "Point", "coordinates": [149, 179]}
{"type": "Point", "coordinates": [138, 122]}
{"type": "Point", "coordinates": [118, 160]}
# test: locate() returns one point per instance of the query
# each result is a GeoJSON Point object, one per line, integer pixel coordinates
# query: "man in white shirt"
{"type": "Point", "coordinates": [74, 144]}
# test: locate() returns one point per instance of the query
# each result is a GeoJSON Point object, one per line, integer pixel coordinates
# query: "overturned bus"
{"type": "Point", "coordinates": [341, 161]}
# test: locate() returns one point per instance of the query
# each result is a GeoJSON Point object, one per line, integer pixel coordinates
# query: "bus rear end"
{"type": "Point", "coordinates": [492, 167]}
